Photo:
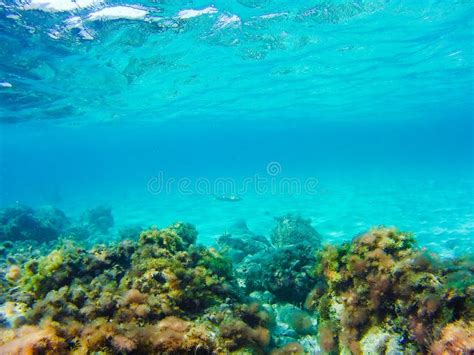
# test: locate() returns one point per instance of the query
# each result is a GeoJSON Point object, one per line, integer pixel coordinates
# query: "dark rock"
{"type": "Point", "coordinates": [98, 220]}
{"type": "Point", "coordinates": [131, 232]}
{"type": "Point", "coordinates": [241, 242]}
{"type": "Point", "coordinates": [285, 272]}
{"type": "Point", "coordinates": [24, 223]}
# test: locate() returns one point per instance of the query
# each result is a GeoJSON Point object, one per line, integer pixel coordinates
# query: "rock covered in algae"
{"type": "Point", "coordinates": [163, 294]}
{"type": "Point", "coordinates": [380, 341]}
{"type": "Point", "coordinates": [47, 224]}
{"type": "Point", "coordinates": [285, 269]}
{"type": "Point", "coordinates": [24, 223]}
{"type": "Point", "coordinates": [381, 287]}
{"type": "Point", "coordinates": [279, 278]}
{"type": "Point", "coordinates": [160, 295]}
{"type": "Point", "coordinates": [98, 219]}
{"type": "Point", "coordinates": [294, 325]}
{"type": "Point", "coordinates": [240, 242]}
{"type": "Point", "coordinates": [293, 229]}
{"type": "Point", "coordinates": [285, 272]}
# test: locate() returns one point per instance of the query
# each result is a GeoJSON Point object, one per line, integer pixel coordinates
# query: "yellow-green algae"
{"type": "Point", "coordinates": [162, 294]}
{"type": "Point", "coordinates": [382, 287]}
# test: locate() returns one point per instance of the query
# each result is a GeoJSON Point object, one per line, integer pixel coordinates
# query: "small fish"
{"type": "Point", "coordinates": [228, 198]}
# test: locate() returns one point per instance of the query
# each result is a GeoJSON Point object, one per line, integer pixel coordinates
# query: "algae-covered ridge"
{"type": "Point", "coordinates": [161, 293]}
{"type": "Point", "coordinates": [380, 294]}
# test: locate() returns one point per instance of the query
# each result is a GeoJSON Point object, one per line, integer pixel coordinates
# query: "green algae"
{"type": "Point", "coordinates": [116, 299]}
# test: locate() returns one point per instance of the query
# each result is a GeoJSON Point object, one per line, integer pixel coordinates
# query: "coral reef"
{"type": "Point", "coordinates": [160, 294]}
{"type": "Point", "coordinates": [382, 292]}
{"type": "Point", "coordinates": [48, 225]}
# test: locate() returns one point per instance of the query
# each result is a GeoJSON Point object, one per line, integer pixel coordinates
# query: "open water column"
{"type": "Point", "coordinates": [237, 177]}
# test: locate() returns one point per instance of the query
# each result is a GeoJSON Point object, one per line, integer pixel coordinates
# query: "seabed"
{"type": "Point", "coordinates": [158, 291]}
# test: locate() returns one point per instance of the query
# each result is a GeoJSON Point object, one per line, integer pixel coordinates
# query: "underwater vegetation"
{"type": "Point", "coordinates": [159, 292]}
{"type": "Point", "coordinates": [381, 294]}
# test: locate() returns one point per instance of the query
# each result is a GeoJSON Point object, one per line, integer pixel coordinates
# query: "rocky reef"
{"type": "Point", "coordinates": [162, 294]}
{"type": "Point", "coordinates": [158, 292]}
{"type": "Point", "coordinates": [293, 229]}
{"type": "Point", "coordinates": [240, 242]}
{"type": "Point", "coordinates": [381, 294]}
{"type": "Point", "coordinates": [278, 272]}
{"type": "Point", "coordinates": [98, 219]}
{"type": "Point", "coordinates": [24, 223]}
{"type": "Point", "coordinates": [48, 224]}
{"type": "Point", "coordinates": [284, 266]}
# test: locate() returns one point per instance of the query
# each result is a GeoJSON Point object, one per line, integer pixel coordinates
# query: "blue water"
{"type": "Point", "coordinates": [353, 113]}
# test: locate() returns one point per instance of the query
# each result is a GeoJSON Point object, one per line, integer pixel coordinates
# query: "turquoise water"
{"type": "Point", "coordinates": [372, 101]}
{"type": "Point", "coordinates": [312, 121]}
{"type": "Point", "coordinates": [415, 176]}
{"type": "Point", "coordinates": [244, 60]}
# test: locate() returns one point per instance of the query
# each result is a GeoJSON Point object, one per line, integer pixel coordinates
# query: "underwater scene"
{"type": "Point", "coordinates": [237, 177]}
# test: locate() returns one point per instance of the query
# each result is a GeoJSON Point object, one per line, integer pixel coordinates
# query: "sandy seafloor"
{"type": "Point", "coordinates": [440, 211]}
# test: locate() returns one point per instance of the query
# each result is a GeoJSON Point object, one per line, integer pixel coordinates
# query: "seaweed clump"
{"type": "Point", "coordinates": [381, 294]}
{"type": "Point", "coordinates": [456, 338]}
{"type": "Point", "coordinates": [162, 294]}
